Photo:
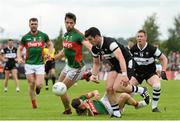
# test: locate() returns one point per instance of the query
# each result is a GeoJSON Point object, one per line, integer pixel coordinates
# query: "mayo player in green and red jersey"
{"type": "Point", "coordinates": [73, 42]}
{"type": "Point", "coordinates": [87, 105]}
{"type": "Point", "coordinates": [34, 42]}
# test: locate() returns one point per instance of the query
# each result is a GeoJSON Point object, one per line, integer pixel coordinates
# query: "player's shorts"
{"type": "Point", "coordinates": [107, 104]}
{"type": "Point", "coordinates": [158, 67]}
{"type": "Point", "coordinates": [144, 76]}
{"type": "Point", "coordinates": [73, 74]}
{"type": "Point", "coordinates": [10, 65]}
{"type": "Point", "coordinates": [130, 68]}
{"type": "Point", "coordinates": [49, 65]}
{"type": "Point", "coordinates": [34, 69]}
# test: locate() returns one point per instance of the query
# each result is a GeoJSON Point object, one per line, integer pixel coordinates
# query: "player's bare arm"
{"type": "Point", "coordinates": [94, 94]}
{"type": "Point", "coordinates": [95, 70]}
{"type": "Point", "coordinates": [118, 54]}
{"type": "Point", "coordinates": [87, 44]}
{"type": "Point", "coordinates": [59, 55]}
{"type": "Point", "coordinates": [50, 46]}
{"type": "Point", "coordinates": [164, 62]}
{"type": "Point", "coordinates": [19, 54]}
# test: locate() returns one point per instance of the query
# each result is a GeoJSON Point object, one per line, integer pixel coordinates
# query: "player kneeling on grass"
{"type": "Point", "coordinates": [84, 105]}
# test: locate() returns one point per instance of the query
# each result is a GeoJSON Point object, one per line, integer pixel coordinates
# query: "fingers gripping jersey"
{"type": "Point", "coordinates": [73, 48]}
{"type": "Point", "coordinates": [34, 47]}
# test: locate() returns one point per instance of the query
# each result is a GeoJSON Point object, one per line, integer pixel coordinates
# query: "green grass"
{"type": "Point", "coordinates": [15, 105]}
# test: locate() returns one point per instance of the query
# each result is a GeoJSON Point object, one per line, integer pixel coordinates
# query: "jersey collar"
{"type": "Point", "coordinates": [10, 48]}
{"type": "Point", "coordinates": [143, 47]}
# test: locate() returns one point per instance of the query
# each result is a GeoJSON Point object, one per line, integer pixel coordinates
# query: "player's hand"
{"type": "Point", "coordinates": [125, 80]}
{"type": "Point", "coordinates": [94, 79]}
{"type": "Point", "coordinates": [163, 75]}
{"type": "Point", "coordinates": [97, 96]}
{"type": "Point", "coordinates": [20, 61]}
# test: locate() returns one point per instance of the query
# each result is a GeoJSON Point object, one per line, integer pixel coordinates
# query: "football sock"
{"type": "Point", "coordinates": [156, 95]}
{"type": "Point", "coordinates": [34, 104]}
{"type": "Point", "coordinates": [53, 79]}
{"type": "Point", "coordinates": [46, 80]}
{"type": "Point", "coordinates": [116, 110]}
{"type": "Point", "coordinates": [137, 89]}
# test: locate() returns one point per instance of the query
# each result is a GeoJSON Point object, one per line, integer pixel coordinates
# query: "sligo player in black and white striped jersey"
{"type": "Point", "coordinates": [145, 54]}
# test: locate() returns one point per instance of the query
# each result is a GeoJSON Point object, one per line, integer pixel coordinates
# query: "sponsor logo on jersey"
{"type": "Point", "coordinates": [67, 44]}
{"type": "Point", "coordinates": [92, 106]}
{"type": "Point", "coordinates": [35, 44]}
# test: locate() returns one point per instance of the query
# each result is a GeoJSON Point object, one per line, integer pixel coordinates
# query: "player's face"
{"type": "Point", "coordinates": [69, 23]}
{"type": "Point", "coordinates": [92, 40]}
{"type": "Point", "coordinates": [33, 26]}
{"type": "Point", "coordinates": [10, 43]}
{"type": "Point", "coordinates": [141, 38]}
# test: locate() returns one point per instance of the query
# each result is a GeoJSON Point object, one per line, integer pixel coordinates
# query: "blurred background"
{"type": "Point", "coordinates": [120, 19]}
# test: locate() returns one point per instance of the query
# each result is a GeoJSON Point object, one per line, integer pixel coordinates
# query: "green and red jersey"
{"type": "Point", "coordinates": [34, 45]}
{"type": "Point", "coordinates": [96, 106]}
{"type": "Point", "coordinates": [73, 48]}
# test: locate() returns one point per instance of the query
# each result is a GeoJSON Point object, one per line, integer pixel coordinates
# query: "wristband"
{"type": "Point", "coordinates": [124, 73]}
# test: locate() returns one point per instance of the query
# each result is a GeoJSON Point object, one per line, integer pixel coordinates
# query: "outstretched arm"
{"type": "Point", "coordinates": [59, 55]}
{"type": "Point", "coordinates": [92, 94]}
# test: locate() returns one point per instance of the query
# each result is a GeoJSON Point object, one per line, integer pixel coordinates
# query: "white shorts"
{"type": "Point", "coordinates": [107, 104]}
{"type": "Point", "coordinates": [73, 74]}
{"type": "Point", "coordinates": [36, 69]}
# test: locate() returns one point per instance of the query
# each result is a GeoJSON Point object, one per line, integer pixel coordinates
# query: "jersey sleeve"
{"type": "Point", "coordinates": [46, 38]}
{"type": "Point", "coordinates": [83, 97]}
{"type": "Point", "coordinates": [113, 46]}
{"type": "Point", "coordinates": [23, 41]}
{"type": "Point", "coordinates": [81, 38]}
{"type": "Point", "coordinates": [95, 51]}
{"type": "Point", "coordinates": [2, 51]}
{"type": "Point", "coordinates": [157, 53]}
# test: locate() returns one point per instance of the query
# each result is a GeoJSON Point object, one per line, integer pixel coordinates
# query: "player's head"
{"type": "Point", "coordinates": [33, 24]}
{"type": "Point", "coordinates": [78, 105]}
{"type": "Point", "coordinates": [93, 35]}
{"type": "Point", "coordinates": [141, 37]}
{"type": "Point", "coordinates": [70, 21]}
{"type": "Point", "coordinates": [10, 42]}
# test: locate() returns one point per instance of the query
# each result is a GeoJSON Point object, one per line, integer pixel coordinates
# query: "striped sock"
{"type": "Point", "coordinates": [156, 95]}
{"type": "Point", "coordinates": [116, 110]}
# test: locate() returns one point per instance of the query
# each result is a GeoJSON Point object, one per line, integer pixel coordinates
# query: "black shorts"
{"type": "Point", "coordinates": [49, 65]}
{"type": "Point", "coordinates": [10, 65]}
{"type": "Point", "coordinates": [144, 76]}
{"type": "Point", "coordinates": [130, 68]}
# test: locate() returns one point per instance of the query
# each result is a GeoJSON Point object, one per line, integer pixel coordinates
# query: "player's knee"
{"type": "Point", "coordinates": [157, 86]}
{"type": "Point", "coordinates": [124, 96]}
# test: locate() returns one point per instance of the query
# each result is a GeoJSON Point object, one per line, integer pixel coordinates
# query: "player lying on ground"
{"type": "Point", "coordinates": [84, 105]}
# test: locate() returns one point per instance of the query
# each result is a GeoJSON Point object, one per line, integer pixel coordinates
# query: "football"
{"type": "Point", "coordinates": [59, 88]}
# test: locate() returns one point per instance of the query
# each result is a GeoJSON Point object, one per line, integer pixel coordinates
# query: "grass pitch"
{"type": "Point", "coordinates": [17, 106]}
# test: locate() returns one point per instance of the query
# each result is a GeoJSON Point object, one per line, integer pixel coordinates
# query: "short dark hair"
{"type": "Point", "coordinates": [33, 19]}
{"type": "Point", "coordinates": [93, 31]}
{"type": "Point", "coordinates": [10, 39]}
{"type": "Point", "coordinates": [75, 103]}
{"type": "Point", "coordinates": [142, 31]}
{"type": "Point", "coordinates": [71, 16]}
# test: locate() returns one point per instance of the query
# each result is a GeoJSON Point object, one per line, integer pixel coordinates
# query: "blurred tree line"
{"type": "Point", "coordinates": [172, 43]}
